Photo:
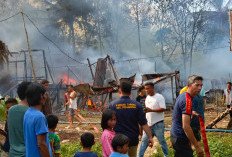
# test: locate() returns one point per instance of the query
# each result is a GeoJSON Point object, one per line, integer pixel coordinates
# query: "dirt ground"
{"type": "Point", "coordinates": [73, 134]}
{"type": "Point", "coordinates": [69, 135]}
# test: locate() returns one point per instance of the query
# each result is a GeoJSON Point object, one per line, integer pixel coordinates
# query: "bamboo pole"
{"type": "Point", "coordinates": [90, 68]}
{"type": "Point", "coordinates": [29, 49]}
{"type": "Point", "coordinates": [173, 100]}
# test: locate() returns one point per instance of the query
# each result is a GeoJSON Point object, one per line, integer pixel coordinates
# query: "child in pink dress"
{"type": "Point", "coordinates": [108, 122]}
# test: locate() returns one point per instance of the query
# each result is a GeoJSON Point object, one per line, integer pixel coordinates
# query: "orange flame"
{"type": "Point", "coordinates": [136, 83]}
{"type": "Point", "coordinates": [89, 102]}
{"type": "Point", "coordinates": [67, 80]}
{"type": "Point", "coordinates": [101, 103]}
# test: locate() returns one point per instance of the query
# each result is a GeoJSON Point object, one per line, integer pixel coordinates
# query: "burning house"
{"type": "Point", "coordinates": [97, 95]}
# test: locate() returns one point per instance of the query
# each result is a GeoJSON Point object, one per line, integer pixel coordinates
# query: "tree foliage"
{"type": "Point", "coordinates": [109, 26]}
{"type": "Point", "coordinates": [4, 52]}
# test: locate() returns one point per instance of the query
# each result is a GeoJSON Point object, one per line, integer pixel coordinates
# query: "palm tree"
{"type": "Point", "coordinates": [4, 52]}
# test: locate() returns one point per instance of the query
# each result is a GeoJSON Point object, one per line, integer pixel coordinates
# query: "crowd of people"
{"type": "Point", "coordinates": [28, 131]}
{"type": "Point", "coordinates": [30, 125]}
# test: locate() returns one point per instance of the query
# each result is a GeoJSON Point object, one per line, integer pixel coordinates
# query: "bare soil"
{"type": "Point", "coordinates": [73, 134]}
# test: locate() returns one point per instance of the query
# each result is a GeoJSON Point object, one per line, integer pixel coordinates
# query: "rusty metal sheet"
{"type": "Point", "coordinates": [83, 88]}
{"type": "Point", "coordinates": [130, 79]}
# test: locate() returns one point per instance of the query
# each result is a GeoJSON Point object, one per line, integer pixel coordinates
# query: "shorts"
{"type": "Point", "coordinates": [197, 133]}
{"type": "Point", "coordinates": [72, 112]}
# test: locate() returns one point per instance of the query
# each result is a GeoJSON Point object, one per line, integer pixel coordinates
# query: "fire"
{"type": "Point", "coordinates": [89, 102]}
{"type": "Point", "coordinates": [101, 103]}
{"type": "Point", "coordinates": [136, 83]}
{"type": "Point", "coordinates": [67, 80]}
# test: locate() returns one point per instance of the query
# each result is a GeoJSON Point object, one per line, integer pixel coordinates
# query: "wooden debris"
{"type": "Point", "coordinates": [219, 118]}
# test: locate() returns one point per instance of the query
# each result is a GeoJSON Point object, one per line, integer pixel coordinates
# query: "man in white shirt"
{"type": "Point", "coordinates": [155, 107]}
{"type": "Point", "coordinates": [228, 96]}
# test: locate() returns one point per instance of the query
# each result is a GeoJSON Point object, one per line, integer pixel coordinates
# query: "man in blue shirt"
{"type": "Point", "coordinates": [129, 115]}
{"type": "Point", "coordinates": [181, 131]}
{"type": "Point", "coordinates": [197, 109]}
{"type": "Point", "coordinates": [35, 125]}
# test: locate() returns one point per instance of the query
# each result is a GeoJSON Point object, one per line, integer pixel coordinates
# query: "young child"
{"type": "Point", "coordinates": [53, 138]}
{"type": "Point", "coordinates": [6, 146]}
{"type": "Point", "coordinates": [87, 141]}
{"type": "Point", "coordinates": [107, 123]}
{"type": "Point", "coordinates": [120, 145]}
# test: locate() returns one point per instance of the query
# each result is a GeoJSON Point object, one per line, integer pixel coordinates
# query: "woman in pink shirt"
{"type": "Point", "coordinates": [108, 122]}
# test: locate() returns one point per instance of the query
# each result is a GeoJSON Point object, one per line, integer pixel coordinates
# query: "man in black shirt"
{"type": "Point", "coordinates": [129, 115]}
{"type": "Point", "coordinates": [141, 99]}
{"type": "Point", "coordinates": [141, 96]}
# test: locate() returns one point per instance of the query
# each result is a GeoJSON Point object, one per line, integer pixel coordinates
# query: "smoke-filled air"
{"type": "Point", "coordinates": [101, 78]}
{"type": "Point", "coordinates": [141, 36]}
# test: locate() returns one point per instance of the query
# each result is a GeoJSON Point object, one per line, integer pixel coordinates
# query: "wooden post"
{"type": "Point", "coordinates": [115, 74]}
{"type": "Point", "coordinates": [177, 85]}
{"type": "Point", "coordinates": [25, 65]}
{"type": "Point", "coordinates": [90, 68]}
{"type": "Point", "coordinates": [173, 101]}
{"type": "Point", "coordinates": [216, 101]}
{"type": "Point", "coordinates": [44, 58]}
{"type": "Point", "coordinates": [104, 102]}
{"type": "Point", "coordinates": [16, 71]}
{"type": "Point", "coordinates": [68, 75]}
{"type": "Point", "coordinates": [110, 97]}
{"type": "Point", "coordinates": [29, 49]}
